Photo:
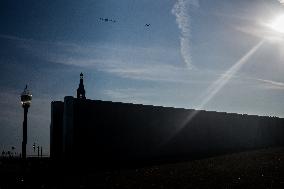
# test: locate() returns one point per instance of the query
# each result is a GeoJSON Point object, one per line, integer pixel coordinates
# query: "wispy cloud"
{"type": "Point", "coordinates": [181, 11]}
{"type": "Point", "coordinates": [137, 63]}
{"type": "Point", "coordinates": [162, 73]}
{"type": "Point", "coordinates": [281, 1]}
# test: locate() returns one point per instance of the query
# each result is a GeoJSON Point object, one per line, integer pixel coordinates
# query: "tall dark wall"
{"type": "Point", "coordinates": [56, 129]}
{"type": "Point", "coordinates": [108, 131]}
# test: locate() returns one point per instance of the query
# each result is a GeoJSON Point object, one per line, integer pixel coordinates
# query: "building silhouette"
{"type": "Point", "coordinates": [81, 90]}
{"type": "Point", "coordinates": [104, 131]}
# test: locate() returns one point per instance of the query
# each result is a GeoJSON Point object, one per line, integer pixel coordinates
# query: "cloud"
{"type": "Point", "coordinates": [181, 11]}
{"type": "Point", "coordinates": [281, 1]}
{"type": "Point", "coordinates": [164, 73]}
{"type": "Point", "coordinates": [139, 63]}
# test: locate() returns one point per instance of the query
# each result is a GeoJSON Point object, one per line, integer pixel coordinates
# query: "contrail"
{"type": "Point", "coordinates": [215, 87]}
{"type": "Point", "coordinates": [223, 80]}
{"type": "Point", "coordinates": [181, 11]}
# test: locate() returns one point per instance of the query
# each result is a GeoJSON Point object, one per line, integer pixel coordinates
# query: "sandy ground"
{"type": "Point", "coordinates": [255, 169]}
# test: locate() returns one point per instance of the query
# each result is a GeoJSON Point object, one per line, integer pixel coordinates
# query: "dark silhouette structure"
{"type": "Point", "coordinates": [107, 20]}
{"type": "Point", "coordinates": [81, 90]}
{"type": "Point", "coordinates": [26, 98]}
{"type": "Point", "coordinates": [102, 131]}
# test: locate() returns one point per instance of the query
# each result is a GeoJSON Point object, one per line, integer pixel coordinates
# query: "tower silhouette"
{"type": "Point", "coordinates": [81, 90]}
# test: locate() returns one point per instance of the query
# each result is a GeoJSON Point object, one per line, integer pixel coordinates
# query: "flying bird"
{"type": "Point", "coordinates": [107, 20]}
{"type": "Point", "coordinates": [147, 25]}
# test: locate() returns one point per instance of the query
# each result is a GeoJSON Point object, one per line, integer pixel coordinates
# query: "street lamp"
{"type": "Point", "coordinates": [26, 99]}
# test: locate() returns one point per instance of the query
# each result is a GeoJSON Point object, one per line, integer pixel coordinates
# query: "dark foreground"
{"type": "Point", "coordinates": [255, 169]}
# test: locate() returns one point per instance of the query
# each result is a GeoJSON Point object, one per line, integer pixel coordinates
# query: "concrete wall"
{"type": "Point", "coordinates": [107, 131]}
{"type": "Point", "coordinates": [56, 129]}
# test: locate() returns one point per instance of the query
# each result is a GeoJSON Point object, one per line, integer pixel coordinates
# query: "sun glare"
{"type": "Point", "coordinates": [278, 24]}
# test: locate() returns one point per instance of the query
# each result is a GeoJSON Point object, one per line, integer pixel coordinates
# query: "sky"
{"type": "Point", "coordinates": [216, 55]}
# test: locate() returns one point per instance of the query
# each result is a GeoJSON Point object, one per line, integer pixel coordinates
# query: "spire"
{"type": "Point", "coordinates": [81, 90]}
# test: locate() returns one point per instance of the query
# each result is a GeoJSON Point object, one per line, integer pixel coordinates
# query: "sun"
{"type": "Point", "coordinates": [278, 24]}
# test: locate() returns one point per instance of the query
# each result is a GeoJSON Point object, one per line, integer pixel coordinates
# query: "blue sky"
{"type": "Point", "coordinates": [213, 55]}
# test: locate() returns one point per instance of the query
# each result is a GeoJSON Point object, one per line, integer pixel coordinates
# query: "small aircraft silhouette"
{"type": "Point", "coordinates": [147, 25]}
{"type": "Point", "coordinates": [107, 20]}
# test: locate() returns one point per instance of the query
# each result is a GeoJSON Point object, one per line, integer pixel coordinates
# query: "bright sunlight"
{"type": "Point", "coordinates": [278, 24]}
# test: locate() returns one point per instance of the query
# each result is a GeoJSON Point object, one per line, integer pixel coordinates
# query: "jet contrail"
{"type": "Point", "coordinates": [181, 11]}
{"type": "Point", "coordinates": [223, 80]}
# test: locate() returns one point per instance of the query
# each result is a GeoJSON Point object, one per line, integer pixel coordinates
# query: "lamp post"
{"type": "Point", "coordinates": [26, 98]}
